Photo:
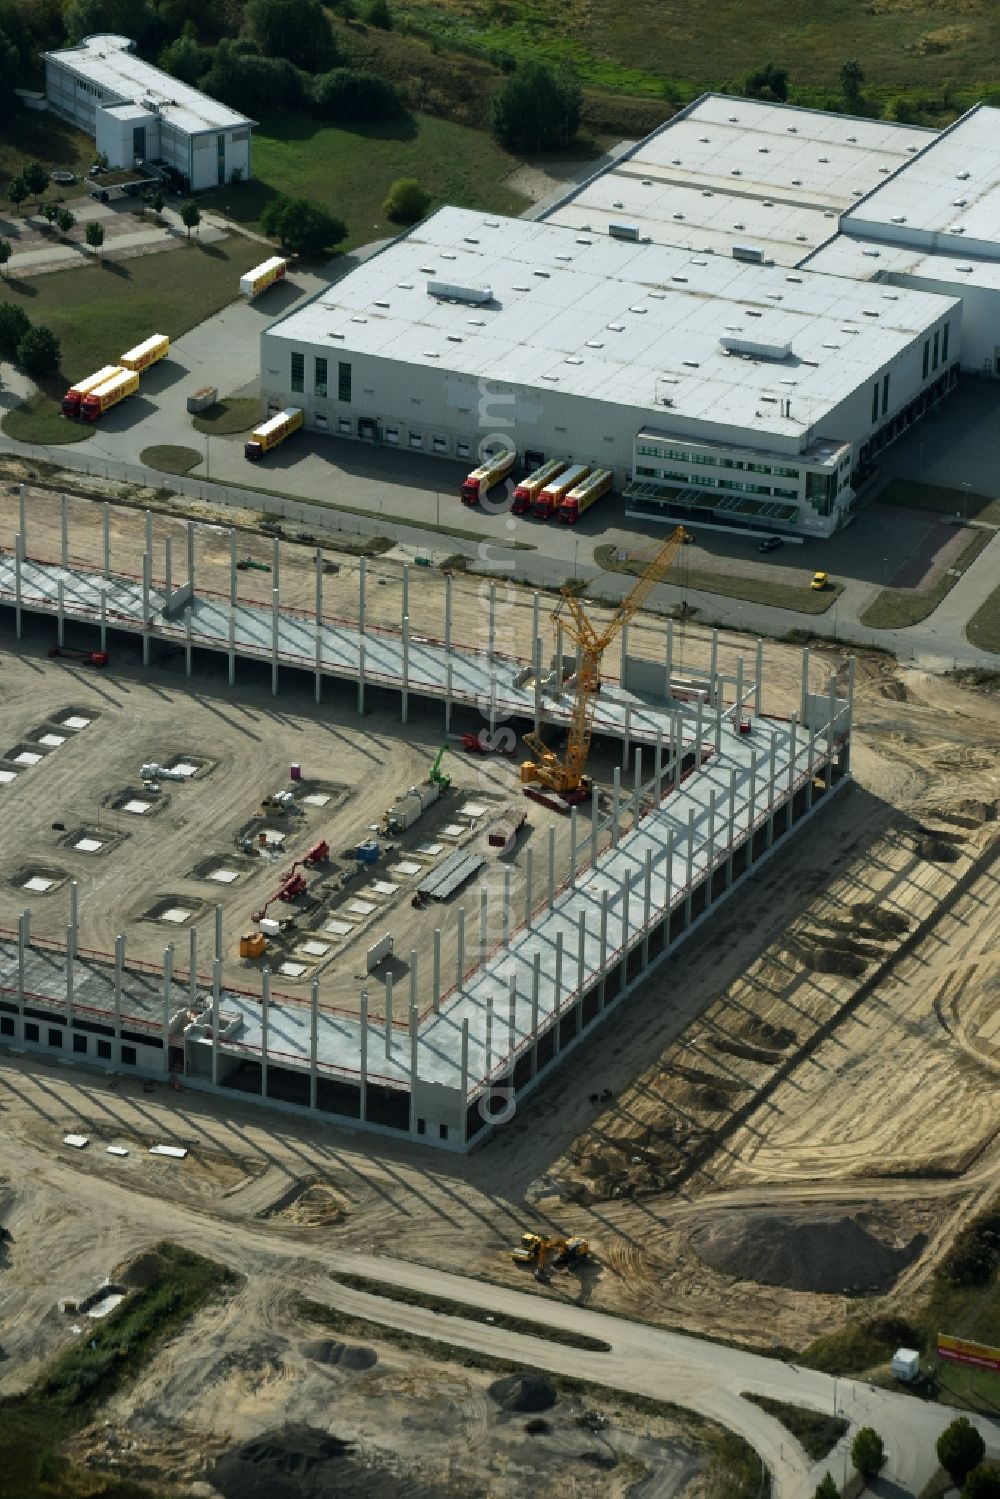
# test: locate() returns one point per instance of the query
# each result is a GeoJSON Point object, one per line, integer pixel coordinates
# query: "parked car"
{"type": "Point", "coordinates": [819, 580]}
{"type": "Point", "coordinates": [770, 544]}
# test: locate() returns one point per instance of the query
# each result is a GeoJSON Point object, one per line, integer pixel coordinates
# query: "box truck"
{"type": "Point", "coordinates": [96, 402]}
{"type": "Point", "coordinates": [73, 399]}
{"type": "Point", "coordinates": [528, 490]}
{"type": "Point", "coordinates": [262, 276]}
{"type": "Point", "coordinates": [557, 489]}
{"type": "Point", "coordinates": [582, 496]}
{"type": "Point", "coordinates": [268, 435]}
{"type": "Point", "coordinates": [154, 348]}
{"type": "Point", "coordinates": [482, 479]}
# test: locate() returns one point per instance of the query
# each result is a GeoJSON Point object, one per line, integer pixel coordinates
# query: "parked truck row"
{"type": "Point", "coordinates": [562, 489]}
{"type": "Point", "coordinates": [90, 398]}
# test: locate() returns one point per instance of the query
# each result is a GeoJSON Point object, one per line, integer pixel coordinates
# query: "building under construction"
{"type": "Point", "coordinates": [711, 784]}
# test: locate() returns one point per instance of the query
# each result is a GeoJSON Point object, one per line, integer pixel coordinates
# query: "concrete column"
{"type": "Point", "coordinates": [74, 915]}
{"type": "Point", "coordinates": [536, 614]}
{"type": "Point", "coordinates": [314, 1041]}
{"type": "Point", "coordinates": [571, 863]}
{"type": "Point", "coordinates": [492, 621]}
{"type": "Point", "coordinates": [119, 967]}
{"type": "Point", "coordinates": [148, 518]}
{"type": "Point", "coordinates": [188, 631]}
{"type": "Point", "coordinates": [658, 770]}
{"type": "Point", "coordinates": [559, 656]}
{"type": "Point", "coordinates": [233, 570]}
{"type": "Point", "coordinates": [616, 808]}
{"type": "Point", "coordinates": [713, 671]}
{"type": "Point", "coordinates": [64, 528]}
{"type": "Point", "coordinates": [265, 1020]}
{"type": "Point", "coordinates": [804, 709]}
{"type": "Point", "coordinates": [711, 842]}
{"type": "Point", "coordinates": [404, 696]}
{"type": "Point", "coordinates": [484, 918]}
{"type": "Point", "coordinates": [739, 692]}
{"type": "Point", "coordinates": [627, 747]}
{"type": "Point", "coordinates": [413, 977]}
{"type": "Point", "coordinates": [637, 787]}
{"type": "Point", "coordinates": [792, 756]}
{"type": "Point", "coordinates": [364, 1050]}
{"type": "Point", "coordinates": [448, 606]}
{"type": "Point", "coordinates": [647, 904]}
{"type": "Point", "coordinates": [557, 986]}
{"type": "Point", "coordinates": [21, 945]}
{"type": "Point", "coordinates": [218, 933]}
{"type": "Point", "coordinates": [623, 659]}
{"type": "Point", "coordinates": [414, 1066]}
{"type": "Point", "coordinates": [388, 1015]}
{"type": "Point", "coordinates": [535, 980]}
{"type": "Point", "coordinates": [772, 781]}
{"type": "Point", "coordinates": [216, 995]}
{"type": "Point", "coordinates": [318, 682]}
{"type": "Point", "coordinates": [275, 615]}
{"type": "Point", "coordinates": [552, 865]}
{"type": "Point", "coordinates": [18, 552]}
{"type": "Point", "coordinates": [512, 1017]}
{"type": "Point", "coordinates": [810, 762]}
{"type": "Point", "coordinates": [168, 981]}
{"type": "Point", "coordinates": [830, 734]}
{"type": "Point", "coordinates": [168, 569]}
{"type": "Point", "coordinates": [70, 978]}
{"type": "Point", "coordinates": [669, 894]}
{"type": "Point", "coordinates": [626, 924]}
{"type": "Point", "coordinates": [61, 612]}
{"type": "Point", "coordinates": [689, 869]}
{"type": "Point", "coordinates": [232, 646]}
{"type": "Point", "coordinates": [406, 589]}
{"type": "Point", "coordinates": [505, 914]}
{"type": "Point", "coordinates": [730, 826]}
{"type": "Point", "coordinates": [698, 732]}
{"type": "Point", "coordinates": [276, 562]}
{"type": "Point", "coordinates": [604, 947]}
{"type": "Point", "coordinates": [758, 686]}
{"type": "Point", "coordinates": [106, 539]}
{"type": "Point", "coordinates": [489, 1032]}
{"type": "Point", "coordinates": [448, 694]}
{"type": "Point", "coordinates": [192, 966]}
{"type": "Point", "coordinates": [362, 606]}
{"type": "Point", "coordinates": [537, 669]}
{"type": "Point", "coordinates": [22, 515]}
{"type": "Point", "coordinates": [529, 863]}
{"type": "Point", "coordinates": [104, 620]}
{"type": "Point", "coordinates": [465, 1078]}
{"type": "Point", "coordinates": [190, 554]}
{"type": "Point", "coordinates": [460, 948]}
{"type": "Point", "coordinates": [752, 806]}
{"type": "Point", "coordinates": [146, 568]}
{"type": "Point", "coordinates": [595, 824]}
{"type": "Point", "coordinates": [670, 657]}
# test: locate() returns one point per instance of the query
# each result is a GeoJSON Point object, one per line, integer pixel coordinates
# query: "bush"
{"type": "Point", "coordinates": [14, 324]}
{"type": "Point", "coordinates": [95, 234]}
{"type": "Point", "coordinates": [974, 1257]}
{"type": "Point", "coordinates": [960, 1448]}
{"type": "Point", "coordinates": [190, 215]}
{"type": "Point", "coordinates": [343, 94]}
{"type": "Point", "coordinates": [252, 84]}
{"type": "Point", "coordinates": [378, 14]}
{"type": "Point", "coordinates": [301, 226]}
{"type": "Point", "coordinates": [407, 201]}
{"type": "Point", "coordinates": [39, 352]}
{"type": "Point", "coordinates": [768, 82]}
{"type": "Point", "coordinates": [297, 30]}
{"type": "Point", "coordinates": [536, 109]}
{"type": "Point", "coordinates": [867, 1452]}
{"type": "Point", "coordinates": [827, 1489]}
{"type": "Point", "coordinates": [982, 1483]}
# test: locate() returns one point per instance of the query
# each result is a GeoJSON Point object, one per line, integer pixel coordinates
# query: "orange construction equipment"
{"type": "Point", "coordinates": [252, 944]}
{"type": "Point", "coordinates": [555, 781]}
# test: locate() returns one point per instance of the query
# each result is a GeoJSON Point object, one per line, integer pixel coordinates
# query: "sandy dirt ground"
{"type": "Point", "coordinates": [824, 1052]}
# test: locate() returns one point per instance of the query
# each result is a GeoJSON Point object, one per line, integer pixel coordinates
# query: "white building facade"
{"type": "Point", "coordinates": [136, 112]}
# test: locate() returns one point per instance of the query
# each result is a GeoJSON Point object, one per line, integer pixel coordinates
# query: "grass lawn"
{"type": "Point", "coordinates": [796, 596]}
{"type": "Point", "coordinates": [815, 1432]}
{"type": "Point", "coordinates": [350, 172]}
{"type": "Point", "coordinates": [38, 419]}
{"type": "Point", "coordinates": [907, 46]}
{"type": "Point", "coordinates": [941, 500]}
{"type": "Point", "coordinates": [171, 460]}
{"type": "Point", "coordinates": [90, 1369]}
{"type": "Point", "coordinates": [29, 136]}
{"type": "Point", "coordinates": [238, 414]}
{"type": "Point", "coordinates": [983, 629]}
{"type": "Point", "coordinates": [895, 608]}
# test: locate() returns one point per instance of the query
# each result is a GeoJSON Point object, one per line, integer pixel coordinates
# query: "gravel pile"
{"type": "Point", "coordinates": [519, 1393]}
{"type": "Point", "coordinates": [302, 1462]}
{"type": "Point", "coordinates": [352, 1356]}
{"type": "Point", "coordinates": [826, 1255]}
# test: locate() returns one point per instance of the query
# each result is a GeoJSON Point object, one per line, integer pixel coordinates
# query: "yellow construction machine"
{"type": "Point", "coordinates": [536, 1250]}
{"type": "Point", "coordinates": [559, 781]}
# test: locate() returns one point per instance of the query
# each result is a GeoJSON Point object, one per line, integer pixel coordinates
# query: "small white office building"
{"type": "Point", "coordinates": [135, 112]}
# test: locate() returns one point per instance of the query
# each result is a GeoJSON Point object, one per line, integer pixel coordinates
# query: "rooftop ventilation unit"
{"type": "Point", "coordinates": [756, 348]}
{"type": "Point", "coordinates": [623, 231]}
{"type": "Point", "coordinates": [474, 296]}
{"type": "Point", "coordinates": [753, 253]}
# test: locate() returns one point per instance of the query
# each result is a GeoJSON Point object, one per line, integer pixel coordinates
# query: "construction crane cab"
{"type": "Point", "coordinates": [437, 776]}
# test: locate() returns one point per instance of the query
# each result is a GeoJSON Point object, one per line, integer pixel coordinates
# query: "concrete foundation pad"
{"type": "Point", "coordinates": [315, 949]}
{"type": "Point", "coordinates": [137, 807]}
{"type": "Point", "coordinates": [453, 830]}
{"type": "Point", "coordinates": [27, 757]}
{"type": "Point", "coordinates": [292, 970]}
{"type": "Point", "coordinates": [406, 867]}
{"type": "Point", "coordinates": [361, 907]}
{"type": "Point", "coordinates": [430, 849]}
{"type": "Point", "coordinates": [75, 721]}
{"type": "Point", "coordinates": [52, 741]}
{"type": "Point", "coordinates": [384, 887]}
{"type": "Point", "coordinates": [224, 876]}
{"type": "Point", "coordinates": [338, 928]}
{"type": "Point", "coordinates": [183, 768]}
{"type": "Point", "coordinates": [88, 845]}
{"type": "Point", "coordinates": [6, 776]}
{"type": "Point", "coordinates": [473, 810]}
{"type": "Point", "coordinates": [39, 883]}
{"type": "Point", "coordinates": [316, 799]}
{"type": "Point", "coordinates": [177, 914]}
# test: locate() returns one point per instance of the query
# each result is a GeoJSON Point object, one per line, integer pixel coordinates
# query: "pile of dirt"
{"type": "Point", "coordinates": [936, 850]}
{"type": "Point", "coordinates": [354, 1356]}
{"type": "Point", "coordinates": [825, 1255]}
{"type": "Point", "coordinates": [302, 1462]}
{"type": "Point", "coordinates": [519, 1393]}
{"type": "Point", "coordinates": [141, 1272]}
{"type": "Point", "coordinates": [880, 919]}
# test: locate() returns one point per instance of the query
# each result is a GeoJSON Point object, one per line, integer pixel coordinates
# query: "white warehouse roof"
{"type": "Point", "coordinates": [873, 259]}
{"type": "Point", "coordinates": [951, 188]}
{"type": "Point", "coordinates": [107, 61]}
{"type": "Point", "coordinates": [741, 171]}
{"type": "Point", "coordinates": [637, 325]}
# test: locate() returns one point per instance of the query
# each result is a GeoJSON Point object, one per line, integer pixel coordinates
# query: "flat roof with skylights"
{"type": "Point", "coordinates": [728, 172]}
{"type": "Point", "coordinates": [649, 327]}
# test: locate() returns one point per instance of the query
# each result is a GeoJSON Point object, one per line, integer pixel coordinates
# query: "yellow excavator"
{"type": "Point", "coordinates": [557, 781]}
{"type": "Point", "coordinates": [536, 1250]}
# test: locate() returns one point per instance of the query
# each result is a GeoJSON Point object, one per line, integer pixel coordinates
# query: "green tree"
{"type": "Point", "coordinates": [827, 1489]}
{"type": "Point", "coordinates": [36, 179]}
{"type": "Point", "coordinates": [407, 201]}
{"type": "Point", "coordinates": [14, 324]}
{"type": "Point", "coordinates": [65, 220]}
{"type": "Point", "coordinates": [378, 14]}
{"type": "Point", "coordinates": [344, 94]}
{"type": "Point", "coordinates": [768, 82]}
{"type": "Point", "coordinates": [536, 109]}
{"type": "Point", "coordinates": [39, 352]}
{"type": "Point", "coordinates": [852, 76]}
{"type": "Point", "coordinates": [134, 18]}
{"type": "Point", "coordinates": [301, 226]}
{"type": "Point", "coordinates": [253, 84]}
{"type": "Point", "coordinates": [960, 1448]}
{"type": "Point", "coordinates": [185, 58]}
{"type": "Point", "coordinates": [6, 251]}
{"type": "Point", "coordinates": [95, 235]}
{"type": "Point", "coordinates": [298, 30]}
{"type": "Point", "coordinates": [156, 201]}
{"type": "Point", "coordinates": [50, 212]}
{"type": "Point", "coordinates": [982, 1483]}
{"type": "Point", "coordinates": [190, 215]}
{"type": "Point", "coordinates": [18, 191]}
{"type": "Point", "coordinates": [11, 74]}
{"type": "Point", "coordinates": [868, 1452]}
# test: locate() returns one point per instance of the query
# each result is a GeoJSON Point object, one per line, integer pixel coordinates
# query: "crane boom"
{"type": "Point", "coordinates": [566, 776]}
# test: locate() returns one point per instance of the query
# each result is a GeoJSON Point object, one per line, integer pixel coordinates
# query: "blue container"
{"type": "Point", "coordinates": [367, 852]}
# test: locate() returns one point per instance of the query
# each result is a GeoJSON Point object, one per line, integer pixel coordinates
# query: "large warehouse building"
{"type": "Point", "coordinates": [135, 111]}
{"type": "Point", "coordinates": [735, 317]}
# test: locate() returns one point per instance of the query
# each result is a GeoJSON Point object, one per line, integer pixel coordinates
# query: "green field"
{"type": "Point", "coordinates": [895, 608]}
{"type": "Point", "coordinates": [906, 47]}
{"type": "Point", "coordinates": [797, 596]}
{"type": "Point", "coordinates": [349, 172]}
{"type": "Point", "coordinates": [983, 629]}
{"type": "Point", "coordinates": [41, 137]}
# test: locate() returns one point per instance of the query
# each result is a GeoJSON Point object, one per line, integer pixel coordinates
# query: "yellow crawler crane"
{"type": "Point", "coordinates": [557, 781]}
